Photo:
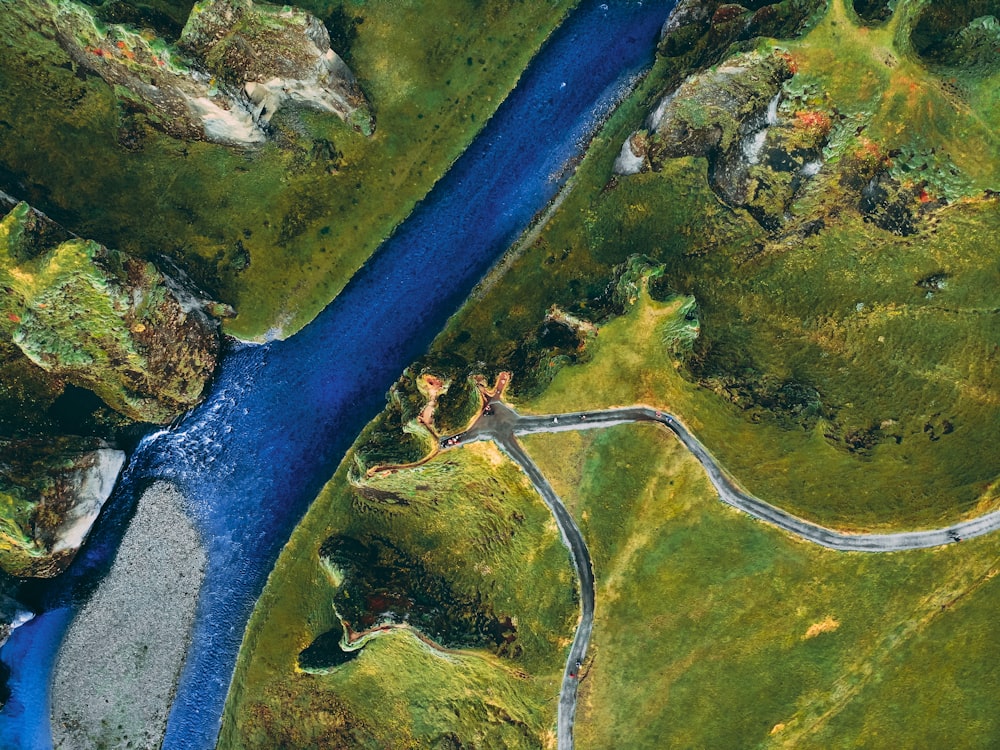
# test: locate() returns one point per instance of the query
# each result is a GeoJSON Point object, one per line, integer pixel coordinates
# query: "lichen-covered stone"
{"type": "Point", "coordinates": [51, 491]}
{"type": "Point", "coordinates": [176, 95]}
{"type": "Point", "coordinates": [711, 110]}
{"type": "Point", "coordinates": [104, 321]}
{"type": "Point", "coordinates": [758, 155]}
{"type": "Point", "coordinates": [276, 54]}
{"type": "Point", "coordinates": [236, 64]}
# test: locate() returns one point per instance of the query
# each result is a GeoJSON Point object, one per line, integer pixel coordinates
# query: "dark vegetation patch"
{"type": "Point", "coordinates": [862, 439]}
{"type": "Point", "coordinates": [385, 442]}
{"type": "Point", "coordinates": [34, 402]}
{"type": "Point", "coordinates": [889, 205]}
{"type": "Point", "coordinates": [165, 18]}
{"type": "Point", "coordinates": [384, 585]}
{"type": "Point", "coordinates": [725, 366]}
{"type": "Point", "coordinates": [325, 652]}
{"type": "Point", "coordinates": [701, 30]}
{"type": "Point", "coordinates": [541, 353]}
{"type": "Point", "coordinates": [934, 282]}
{"type": "Point", "coordinates": [873, 11]}
{"type": "Point", "coordinates": [962, 34]}
{"type": "Point", "coordinates": [343, 27]}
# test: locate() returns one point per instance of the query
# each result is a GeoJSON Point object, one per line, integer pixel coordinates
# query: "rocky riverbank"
{"type": "Point", "coordinates": [119, 664]}
{"type": "Point", "coordinates": [80, 324]}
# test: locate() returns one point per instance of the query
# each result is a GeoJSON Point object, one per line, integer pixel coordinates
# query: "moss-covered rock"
{"type": "Point", "coordinates": [101, 320]}
{"type": "Point", "coordinates": [234, 65]}
{"type": "Point", "coordinates": [699, 29]}
{"type": "Point", "coordinates": [276, 54]}
{"type": "Point", "coordinates": [711, 111]}
{"type": "Point", "coordinates": [758, 156]}
{"type": "Point", "coordinates": [51, 492]}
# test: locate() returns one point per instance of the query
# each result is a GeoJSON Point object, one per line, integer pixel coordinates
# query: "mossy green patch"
{"type": "Point", "coordinates": [469, 517]}
{"type": "Point", "coordinates": [103, 321]}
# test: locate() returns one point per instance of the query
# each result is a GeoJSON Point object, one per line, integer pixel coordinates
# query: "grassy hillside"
{"type": "Point", "coordinates": [846, 360]}
{"type": "Point", "coordinates": [276, 232]}
{"type": "Point", "coordinates": [471, 519]}
{"type": "Point", "coordinates": [713, 630]}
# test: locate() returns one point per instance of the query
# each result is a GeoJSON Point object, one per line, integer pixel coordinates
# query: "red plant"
{"type": "Point", "coordinates": [789, 61]}
{"type": "Point", "coordinates": [813, 121]}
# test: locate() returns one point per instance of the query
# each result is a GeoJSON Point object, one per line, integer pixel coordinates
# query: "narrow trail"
{"type": "Point", "coordinates": [501, 424]}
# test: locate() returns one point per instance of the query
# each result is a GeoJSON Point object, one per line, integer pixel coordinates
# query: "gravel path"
{"type": "Point", "coordinates": [117, 669]}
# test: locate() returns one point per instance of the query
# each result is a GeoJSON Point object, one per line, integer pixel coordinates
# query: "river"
{"type": "Point", "coordinates": [280, 416]}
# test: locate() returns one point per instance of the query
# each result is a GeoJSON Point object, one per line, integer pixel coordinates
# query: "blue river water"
{"type": "Point", "coordinates": [280, 416]}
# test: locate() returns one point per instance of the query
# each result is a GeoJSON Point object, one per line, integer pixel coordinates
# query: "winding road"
{"type": "Point", "coordinates": [501, 424]}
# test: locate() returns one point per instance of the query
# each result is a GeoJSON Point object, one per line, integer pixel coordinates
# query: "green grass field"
{"type": "Point", "coordinates": [913, 483]}
{"type": "Point", "coordinates": [469, 516]}
{"type": "Point", "coordinates": [849, 374]}
{"type": "Point", "coordinates": [713, 630]}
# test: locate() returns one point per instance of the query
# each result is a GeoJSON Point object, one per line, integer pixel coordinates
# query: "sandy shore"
{"type": "Point", "coordinates": [117, 669]}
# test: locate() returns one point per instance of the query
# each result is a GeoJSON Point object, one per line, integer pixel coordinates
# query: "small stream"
{"type": "Point", "coordinates": [280, 416]}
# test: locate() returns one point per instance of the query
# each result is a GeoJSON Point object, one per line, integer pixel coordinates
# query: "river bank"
{"type": "Point", "coordinates": [280, 416]}
{"type": "Point", "coordinates": [118, 666]}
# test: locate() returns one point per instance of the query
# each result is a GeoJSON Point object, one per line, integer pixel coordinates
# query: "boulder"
{"type": "Point", "coordinates": [235, 64]}
{"type": "Point", "coordinates": [101, 320]}
{"type": "Point", "coordinates": [51, 492]}
{"type": "Point", "coordinates": [758, 156]}
{"type": "Point", "coordinates": [712, 110]}
{"type": "Point", "coordinates": [176, 94]}
{"type": "Point", "coordinates": [276, 54]}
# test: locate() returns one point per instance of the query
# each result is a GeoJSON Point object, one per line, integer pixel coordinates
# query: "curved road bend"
{"type": "Point", "coordinates": [731, 494]}
{"type": "Point", "coordinates": [500, 427]}
{"type": "Point", "coordinates": [504, 423]}
{"type": "Point", "coordinates": [573, 539]}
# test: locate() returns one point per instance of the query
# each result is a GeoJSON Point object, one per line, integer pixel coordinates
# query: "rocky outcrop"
{"type": "Point", "coordinates": [51, 492]}
{"type": "Point", "coordinates": [712, 110]}
{"type": "Point", "coordinates": [697, 29]}
{"type": "Point", "coordinates": [12, 616]}
{"type": "Point", "coordinates": [276, 54]}
{"type": "Point", "coordinates": [81, 314]}
{"type": "Point", "coordinates": [104, 321]}
{"type": "Point", "coordinates": [758, 156]}
{"type": "Point", "coordinates": [236, 63]}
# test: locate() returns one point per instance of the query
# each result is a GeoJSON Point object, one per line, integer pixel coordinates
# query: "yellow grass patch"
{"type": "Point", "coordinates": [827, 625]}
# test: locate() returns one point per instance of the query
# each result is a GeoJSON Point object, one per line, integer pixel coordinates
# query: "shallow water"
{"type": "Point", "coordinates": [280, 416]}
